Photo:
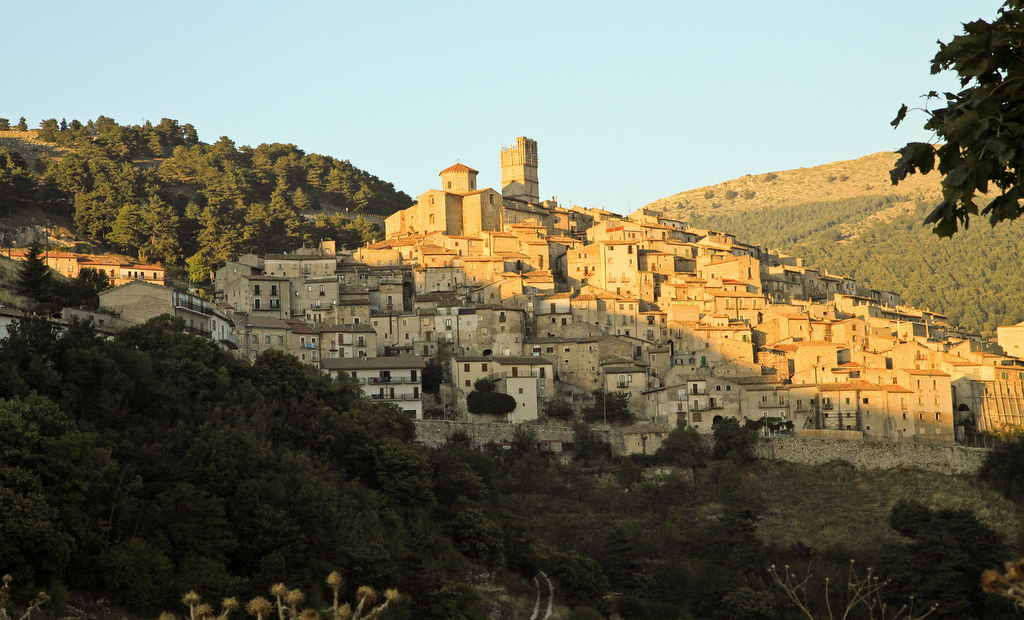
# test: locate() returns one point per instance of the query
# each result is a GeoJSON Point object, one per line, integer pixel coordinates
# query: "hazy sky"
{"type": "Point", "coordinates": [629, 102]}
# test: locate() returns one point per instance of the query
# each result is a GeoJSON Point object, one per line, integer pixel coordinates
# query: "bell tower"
{"type": "Point", "coordinates": [458, 179]}
{"type": "Point", "coordinates": [519, 171]}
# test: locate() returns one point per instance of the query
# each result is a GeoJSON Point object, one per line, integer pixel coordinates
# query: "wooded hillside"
{"type": "Point", "coordinates": [159, 193]}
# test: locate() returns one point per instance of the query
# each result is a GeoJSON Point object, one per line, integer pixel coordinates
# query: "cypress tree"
{"type": "Point", "coordinates": [34, 276]}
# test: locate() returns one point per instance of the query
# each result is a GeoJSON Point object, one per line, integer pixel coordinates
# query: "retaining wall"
{"type": "Point", "coordinates": [862, 455]}
{"type": "Point", "coordinates": [435, 433]}
{"type": "Point", "coordinates": [873, 454]}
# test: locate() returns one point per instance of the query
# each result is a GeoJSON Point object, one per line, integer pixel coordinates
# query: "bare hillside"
{"type": "Point", "coordinates": [866, 176]}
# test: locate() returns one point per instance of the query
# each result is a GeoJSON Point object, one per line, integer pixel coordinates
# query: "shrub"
{"type": "Point", "coordinates": [731, 437]}
{"type": "Point", "coordinates": [709, 194]}
{"type": "Point", "coordinates": [137, 574]}
{"type": "Point", "coordinates": [908, 517]}
{"type": "Point", "coordinates": [580, 578]}
{"type": "Point", "coordinates": [490, 402]}
{"type": "Point", "coordinates": [683, 446]}
{"type": "Point", "coordinates": [1003, 468]}
{"type": "Point", "coordinates": [559, 408]}
{"type": "Point", "coordinates": [587, 445]}
{"type": "Point", "coordinates": [771, 176]}
{"type": "Point", "coordinates": [730, 194]}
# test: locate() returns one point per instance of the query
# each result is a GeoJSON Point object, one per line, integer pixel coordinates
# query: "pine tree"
{"type": "Point", "coordinates": [34, 276]}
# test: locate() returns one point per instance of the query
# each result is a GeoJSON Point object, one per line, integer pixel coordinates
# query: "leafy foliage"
{"type": "Point", "coordinates": [559, 409]}
{"type": "Point", "coordinates": [684, 446]}
{"type": "Point", "coordinates": [1004, 467]}
{"type": "Point", "coordinates": [980, 129]}
{"type": "Point", "coordinates": [156, 462]}
{"type": "Point", "coordinates": [944, 563]}
{"type": "Point", "coordinates": [733, 438]}
{"type": "Point", "coordinates": [613, 407]}
{"type": "Point", "coordinates": [484, 399]}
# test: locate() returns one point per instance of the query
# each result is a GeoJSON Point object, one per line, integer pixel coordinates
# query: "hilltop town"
{"type": "Point", "coordinates": [552, 304]}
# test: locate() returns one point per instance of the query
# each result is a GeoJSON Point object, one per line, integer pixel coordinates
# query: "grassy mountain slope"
{"type": "Point", "coordinates": [866, 176]}
{"type": "Point", "coordinates": [848, 218]}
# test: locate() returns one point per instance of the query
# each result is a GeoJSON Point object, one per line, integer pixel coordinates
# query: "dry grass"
{"type": "Point", "coordinates": [25, 144]}
{"type": "Point", "coordinates": [865, 176]}
{"type": "Point", "coordinates": [836, 505]}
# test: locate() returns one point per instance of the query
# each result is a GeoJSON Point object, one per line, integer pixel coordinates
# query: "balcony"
{"type": "Point", "coordinates": [386, 380]}
{"type": "Point", "coordinates": [186, 303]}
{"type": "Point", "coordinates": [195, 331]}
{"type": "Point", "coordinates": [393, 397]}
{"type": "Point", "coordinates": [498, 376]}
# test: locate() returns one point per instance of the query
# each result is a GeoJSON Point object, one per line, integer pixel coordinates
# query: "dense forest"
{"type": "Point", "coordinates": [152, 464]}
{"type": "Point", "coordinates": [974, 278]}
{"type": "Point", "coordinates": [157, 192]}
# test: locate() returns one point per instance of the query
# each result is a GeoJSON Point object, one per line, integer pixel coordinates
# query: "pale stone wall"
{"type": "Point", "coordinates": [862, 455]}
{"type": "Point", "coordinates": [866, 455]}
{"type": "Point", "coordinates": [435, 433]}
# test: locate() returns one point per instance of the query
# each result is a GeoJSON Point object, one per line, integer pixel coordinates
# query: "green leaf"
{"type": "Point", "coordinates": [902, 114]}
{"type": "Point", "coordinates": [958, 176]}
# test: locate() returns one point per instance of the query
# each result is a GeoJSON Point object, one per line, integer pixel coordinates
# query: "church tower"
{"type": "Point", "coordinates": [519, 171]}
{"type": "Point", "coordinates": [458, 179]}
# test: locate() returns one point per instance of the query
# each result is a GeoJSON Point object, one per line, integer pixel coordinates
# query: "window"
{"type": "Point", "coordinates": [865, 401]}
{"type": "Point", "coordinates": [256, 289]}
{"type": "Point", "coordinates": [465, 367]}
{"type": "Point", "coordinates": [256, 304]}
{"type": "Point", "coordinates": [266, 339]}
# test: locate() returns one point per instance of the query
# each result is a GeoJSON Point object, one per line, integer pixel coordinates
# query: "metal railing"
{"type": "Point", "coordinates": [393, 397]}
{"type": "Point", "coordinates": [496, 376]}
{"type": "Point", "coordinates": [188, 304]}
{"type": "Point", "coordinates": [195, 331]}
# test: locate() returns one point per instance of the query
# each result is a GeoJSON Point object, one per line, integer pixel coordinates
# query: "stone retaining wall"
{"type": "Point", "coordinates": [873, 454]}
{"type": "Point", "coordinates": [435, 433]}
{"type": "Point", "coordinates": [862, 455]}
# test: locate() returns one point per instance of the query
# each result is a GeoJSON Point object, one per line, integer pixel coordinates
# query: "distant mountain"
{"type": "Point", "coordinates": [847, 217]}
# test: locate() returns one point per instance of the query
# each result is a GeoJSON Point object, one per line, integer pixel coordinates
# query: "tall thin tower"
{"type": "Point", "coordinates": [519, 171]}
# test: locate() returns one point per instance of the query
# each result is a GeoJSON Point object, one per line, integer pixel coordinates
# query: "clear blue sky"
{"type": "Point", "coordinates": [629, 102]}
